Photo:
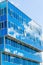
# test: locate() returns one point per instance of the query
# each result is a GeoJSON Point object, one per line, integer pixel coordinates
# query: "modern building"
{"type": "Point", "coordinates": [20, 42]}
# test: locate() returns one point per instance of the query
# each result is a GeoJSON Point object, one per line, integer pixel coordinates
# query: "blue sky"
{"type": "Point", "coordinates": [32, 8]}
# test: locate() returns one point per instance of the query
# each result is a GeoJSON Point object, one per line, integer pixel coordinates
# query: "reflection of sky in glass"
{"type": "Point", "coordinates": [30, 30]}
{"type": "Point", "coordinates": [33, 8]}
{"type": "Point", "coordinates": [35, 11]}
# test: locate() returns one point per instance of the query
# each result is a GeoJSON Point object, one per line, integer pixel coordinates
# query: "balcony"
{"type": "Point", "coordinates": [27, 41]}
{"type": "Point", "coordinates": [21, 53]}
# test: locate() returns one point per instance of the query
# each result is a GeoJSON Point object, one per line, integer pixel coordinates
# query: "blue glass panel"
{"type": "Point", "coordinates": [15, 60]}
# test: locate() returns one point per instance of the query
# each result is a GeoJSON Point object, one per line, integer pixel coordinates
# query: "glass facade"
{"type": "Point", "coordinates": [19, 26]}
{"type": "Point", "coordinates": [19, 38]}
{"type": "Point", "coordinates": [3, 18]}
{"type": "Point", "coordinates": [19, 61]}
{"type": "Point", "coordinates": [19, 46]}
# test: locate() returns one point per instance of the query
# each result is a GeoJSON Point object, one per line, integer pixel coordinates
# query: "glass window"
{"type": "Point", "coordinates": [3, 25]}
{"type": "Point", "coordinates": [17, 60]}
{"type": "Point", "coordinates": [2, 11]}
{"type": "Point", "coordinates": [15, 15]}
{"type": "Point", "coordinates": [10, 12]}
{"type": "Point", "coordinates": [3, 57]}
{"type": "Point", "coordinates": [6, 57]}
{"type": "Point", "coordinates": [1, 40]}
{"type": "Point", "coordinates": [10, 24]}
{"type": "Point", "coordinates": [0, 25]}
{"type": "Point", "coordinates": [5, 10]}
{"type": "Point", "coordinates": [20, 19]}
{"type": "Point", "coordinates": [12, 59]}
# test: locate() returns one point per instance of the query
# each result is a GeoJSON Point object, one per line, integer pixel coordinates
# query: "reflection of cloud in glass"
{"type": "Point", "coordinates": [41, 37]}
{"type": "Point", "coordinates": [7, 50]}
{"type": "Point", "coordinates": [2, 0]}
